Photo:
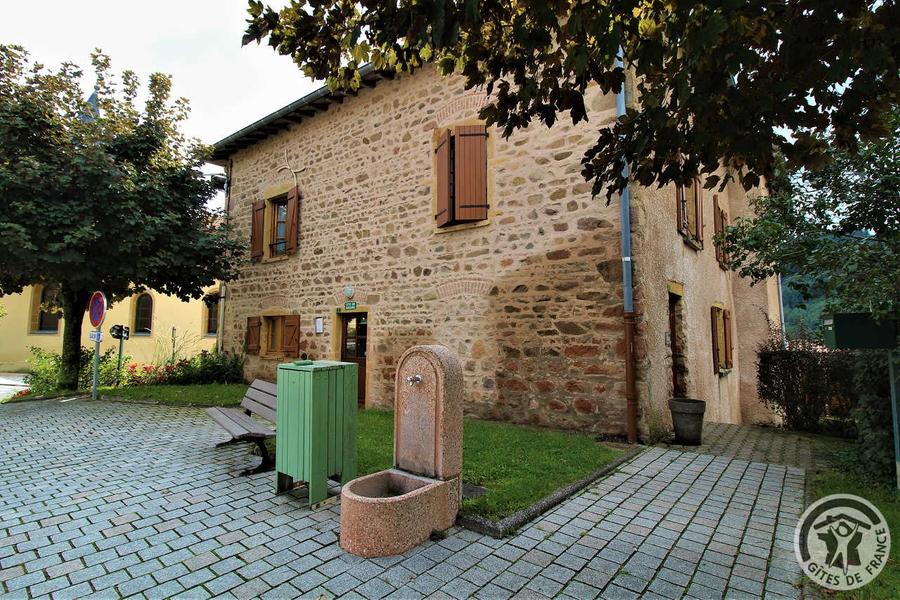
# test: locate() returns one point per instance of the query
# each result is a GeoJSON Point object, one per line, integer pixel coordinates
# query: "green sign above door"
{"type": "Point", "coordinates": [349, 305]}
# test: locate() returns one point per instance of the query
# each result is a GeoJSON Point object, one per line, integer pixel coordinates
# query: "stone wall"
{"type": "Point", "coordinates": [531, 301]}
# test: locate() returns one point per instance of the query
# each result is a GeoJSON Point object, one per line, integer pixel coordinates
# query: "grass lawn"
{"type": "Point", "coordinates": [213, 394]}
{"type": "Point", "coordinates": [887, 584]}
{"type": "Point", "coordinates": [518, 465]}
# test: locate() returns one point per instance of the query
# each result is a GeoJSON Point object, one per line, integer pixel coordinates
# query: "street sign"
{"type": "Point", "coordinates": [95, 336]}
{"type": "Point", "coordinates": [97, 309]}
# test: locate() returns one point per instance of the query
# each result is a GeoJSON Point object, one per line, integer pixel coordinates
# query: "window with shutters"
{"type": "Point", "coordinates": [720, 223]}
{"type": "Point", "coordinates": [274, 226]}
{"type": "Point", "coordinates": [689, 210]}
{"type": "Point", "coordinates": [461, 181]}
{"type": "Point", "coordinates": [143, 315]}
{"type": "Point", "coordinates": [254, 325]}
{"type": "Point", "coordinates": [720, 321]}
{"type": "Point", "coordinates": [275, 336]}
{"type": "Point", "coordinates": [45, 311]}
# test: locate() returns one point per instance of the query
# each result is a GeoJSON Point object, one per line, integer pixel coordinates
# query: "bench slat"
{"type": "Point", "coordinates": [254, 427]}
{"type": "Point", "coordinates": [264, 386]}
{"type": "Point", "coordinates": [267, 400]}
{"type": "Point", "coordinates": [238, 424]}
{"type": "Point", "coordinates": [258, 409]}
{"type": "Point", "coordinates": [221, 418]}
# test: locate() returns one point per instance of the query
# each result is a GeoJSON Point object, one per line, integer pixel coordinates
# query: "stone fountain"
{"type": "Point", "coordinates": [391, 511]}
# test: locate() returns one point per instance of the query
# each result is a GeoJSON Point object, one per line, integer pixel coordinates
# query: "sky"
{"type": "Point", "coordinates": [197, 42]}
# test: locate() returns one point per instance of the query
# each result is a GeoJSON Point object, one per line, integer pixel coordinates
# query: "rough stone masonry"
{"type": "Point", "coordinates": [530, 299]}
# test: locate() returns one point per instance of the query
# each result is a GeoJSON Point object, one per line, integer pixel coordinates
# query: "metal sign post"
{"type": "Point", "coordinates": [96, 313]}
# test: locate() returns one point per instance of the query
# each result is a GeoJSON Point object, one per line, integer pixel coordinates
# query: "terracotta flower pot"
{"type": "Point", "coordinates": [687, 419]}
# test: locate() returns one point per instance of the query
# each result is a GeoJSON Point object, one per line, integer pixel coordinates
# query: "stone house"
{"type": "Point", "coordinates": [392, 217]}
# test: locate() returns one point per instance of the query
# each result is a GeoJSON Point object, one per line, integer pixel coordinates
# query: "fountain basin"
{"type": "Point", "coordinates": [392, 511]}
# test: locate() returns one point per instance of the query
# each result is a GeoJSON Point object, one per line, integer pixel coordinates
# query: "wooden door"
{"type": "Point", "coordinates": [354, 335]}
{"type": "Point", "coordinates": [675, 348]}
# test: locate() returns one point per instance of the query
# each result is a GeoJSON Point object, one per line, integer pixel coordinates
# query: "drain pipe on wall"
{"type": "Point", "coordinates": [627, 283]}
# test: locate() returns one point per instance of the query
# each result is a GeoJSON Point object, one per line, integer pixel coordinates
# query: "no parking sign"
{"type": "Point", "coordinates": [97, 308]}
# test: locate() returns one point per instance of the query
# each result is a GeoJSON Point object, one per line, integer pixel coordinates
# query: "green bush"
{"type": "Point", "coordinates": [810, 386]}
{"type": "Point", "coordinates": [206, 367]}
{"type": "Point", "coordinates": [44, 368]}
{"type": "Point", "coordinates": [874, 450]}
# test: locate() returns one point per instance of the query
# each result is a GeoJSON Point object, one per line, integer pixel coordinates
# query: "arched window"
{"type": "Point", "coordinates": [48, 315]}
{"type": "Point", "coordinates": [143, 315]}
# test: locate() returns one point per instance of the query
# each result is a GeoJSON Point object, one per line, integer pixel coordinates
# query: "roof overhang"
{"type": "Point", "coordinates": [305, 108]}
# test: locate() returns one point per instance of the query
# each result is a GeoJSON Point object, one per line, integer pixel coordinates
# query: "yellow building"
{"type": "Point", "coordinates": [151, 316]}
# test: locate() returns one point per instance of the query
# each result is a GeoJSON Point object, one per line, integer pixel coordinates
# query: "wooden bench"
{"type": "Point", "coordinates": [260, 400]}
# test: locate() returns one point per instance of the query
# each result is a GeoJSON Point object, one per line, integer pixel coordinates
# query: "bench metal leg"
{"type": "Point", "coordinates": [267, 464]}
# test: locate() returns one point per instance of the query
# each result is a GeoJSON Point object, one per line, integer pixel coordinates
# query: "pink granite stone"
{"type": "Point", "coordinates": [391, 511]}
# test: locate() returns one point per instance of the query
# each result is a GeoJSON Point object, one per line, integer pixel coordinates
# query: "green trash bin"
{"type": "Point", "coordinates": [316, 425]}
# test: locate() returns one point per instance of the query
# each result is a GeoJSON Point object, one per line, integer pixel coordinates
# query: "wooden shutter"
{"type": "Point", "coordinates": [698, 211]}
{"type": "Point", "coordinates": [253, 326]}
{"type": "Point", "coordinates": [680, 213]}
{"type": "Point", "coordinates": [723, 218]}
{"type": "Point", "coordinates": [714, 319]}
{"type": "Point", "coordinates": [717, 226]}
{"type": "Point", "coordinates": [443, 212]}
{"type": "Point", "coordinates": [470, 182]}
{"type": "Point", "coordinates": [726, 325]}
{"type": "Point", "coordinates": [290, 339]}
{"type": "Point", "coordinates": [257, 222]}
{"type": "Point", "coordinates": [292, 229]}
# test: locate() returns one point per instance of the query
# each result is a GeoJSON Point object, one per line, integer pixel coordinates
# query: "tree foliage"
{"type": "Point", "coordinates": [838, 228]}
{"type": "Point", "coordinates": [716, 81]}
{"type": "Point", "coordinates": [104, 195]}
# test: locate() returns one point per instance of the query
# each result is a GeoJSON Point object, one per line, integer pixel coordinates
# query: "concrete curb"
{"type": "Point", "coordinates": [79, 394]}
{"type": "Point", "coordinates": [505, 526]}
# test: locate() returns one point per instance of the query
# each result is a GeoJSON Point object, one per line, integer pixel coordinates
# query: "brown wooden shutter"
{"type": "Point", "coordinates": [470, 165]}
{"type": "Point", "coordinates": [443, 212]}
{"type": "Point", "coordinates": [253, 326]}
{"type": "Point", "coordinates": [724, 220]}
{"type": "Point", "coordinates": [714, 318]}
{"type": "Point", "coordinates": [292, 228]}
{"type": "Point", "coordinates": [726, 318]}
{"type": "Point", "coordinates": [698, 210]}
{"type": "Point", "coordinates": [257, 222]}
{"type": "Point", "coordinates": [717, 226]}
{"type": "Point", "coordinates": [679, 209]}
{"type": "Point", "coordinates": [290, 339]}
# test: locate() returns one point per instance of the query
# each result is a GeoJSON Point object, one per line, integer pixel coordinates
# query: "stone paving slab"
{"type": "Point", "coordinates": [104, 500]}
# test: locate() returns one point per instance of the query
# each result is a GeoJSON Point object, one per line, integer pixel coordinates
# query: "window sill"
{"type": "Point", "coordinates": [273, 259]}
{"type": "Point", "coordinates": [210, 335]}
{"type": "Point", "coordinates": [47, 332]}
{"type": "Point", "coordinates": [278, 357]}
{"type": "Point", "coordinates": [692, 243]}
{"type": "Point", "coordinates": [461, 226]}
{"type": "Point", "coordinates": [146, 335]}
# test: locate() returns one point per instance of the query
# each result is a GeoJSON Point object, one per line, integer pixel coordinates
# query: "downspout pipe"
{"type": "Point", "coordinates": [627, 281]}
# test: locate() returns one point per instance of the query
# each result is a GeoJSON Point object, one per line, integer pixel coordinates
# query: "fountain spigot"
{"type": "Point", "coordinates": [413, 379]}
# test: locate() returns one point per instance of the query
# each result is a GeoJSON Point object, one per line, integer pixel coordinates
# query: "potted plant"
{"type": "Point", "coordinates": [687, 420]}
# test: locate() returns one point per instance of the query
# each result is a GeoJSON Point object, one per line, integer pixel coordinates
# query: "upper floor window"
{"type": "Point", "coordinates": [275, 226]}
{"type": "Point", "coordinates": [461, 175]}
{"type": "Point", "coordinates": [689, 208]}
{"type": "Point", "coordinates": [45, 310]}
{"type": "Point", "coordinates": [279, 227]}
{"type": "Point", "coordinates": [143, 315]}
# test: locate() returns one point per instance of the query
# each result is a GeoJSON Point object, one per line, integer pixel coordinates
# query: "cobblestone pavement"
{"type": "Point", "coordinates": [106, 499]}
{"type": "Point", "coordinates": [766, 444]}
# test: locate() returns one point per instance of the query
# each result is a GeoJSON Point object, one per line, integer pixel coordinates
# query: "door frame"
{"type": "Point", "coordinates": [337, 335]}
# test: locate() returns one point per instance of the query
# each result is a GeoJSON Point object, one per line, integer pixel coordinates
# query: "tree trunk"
{"type": "Point", "coordinates": [74, 303]}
